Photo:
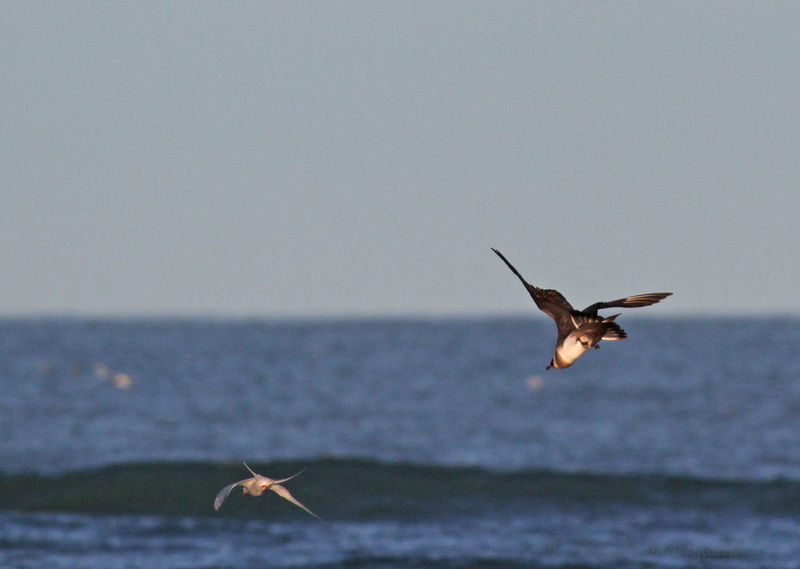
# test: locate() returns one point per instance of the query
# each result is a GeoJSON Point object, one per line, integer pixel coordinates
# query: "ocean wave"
{"type": "Point", "coordinates": [355, 488]}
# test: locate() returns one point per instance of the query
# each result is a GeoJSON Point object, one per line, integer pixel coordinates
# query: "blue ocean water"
{"type": "Point", "coordinates": [427, 443]}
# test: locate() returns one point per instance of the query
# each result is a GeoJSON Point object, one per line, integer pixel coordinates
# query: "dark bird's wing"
{"type": "Point", "coordinates": [222, 494]}
{"type": "Point", "coordinates": [628, 302]}
{"type": "Point", "coordinates": [549, 301]}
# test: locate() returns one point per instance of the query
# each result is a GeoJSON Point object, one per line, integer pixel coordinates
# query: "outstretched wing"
{"type": "Point", "coordinates": [250, 469]}
{"type": "Point", "coordinates": [549, 301]}
{"type": "Point", "coordinates": [284, 493]}
{"type": "Point", "coordinates": [628, 302]}
{"type": "Point", "coordinates": [287, 479]}
{"type": "Point", "coordinates": [222, 494]}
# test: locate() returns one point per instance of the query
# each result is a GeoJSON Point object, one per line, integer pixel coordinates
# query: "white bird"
{"type": "Point", "coordinates": [256, 486]}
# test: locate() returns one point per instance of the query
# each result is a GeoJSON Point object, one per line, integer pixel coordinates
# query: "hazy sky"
{"type": "Point", "coordinates": [357, 158]}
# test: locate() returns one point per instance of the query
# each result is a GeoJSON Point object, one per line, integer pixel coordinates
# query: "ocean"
{"type": "Point", "coordinates": [426, 443]}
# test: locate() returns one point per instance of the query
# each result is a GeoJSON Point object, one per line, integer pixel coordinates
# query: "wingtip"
{"type": "Point", "coordinates": [218, 503]}
{"type": "Point", "coordinates": [647, 299]}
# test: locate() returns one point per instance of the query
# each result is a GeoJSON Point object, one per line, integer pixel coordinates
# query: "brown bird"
{"type": "Point", "coordinates": [580, 330]}
{"type": "Point", "coordinates": [256, 485]}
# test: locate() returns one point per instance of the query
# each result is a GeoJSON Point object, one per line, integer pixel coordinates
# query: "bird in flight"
{"type": "Point", "coordinates": [256, 486]}
{"type": "Point", "coordinates": [580, 330]}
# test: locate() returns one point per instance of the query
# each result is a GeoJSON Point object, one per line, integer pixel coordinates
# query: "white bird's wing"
{"type": "Point", "coordinates": [222, 494]}
{"type": "Point", "coordinates": [284, 493]}
{"type": "Point", "coordinates": [287, 479]}
{"type": "Point", "coordinates": [250, 469]}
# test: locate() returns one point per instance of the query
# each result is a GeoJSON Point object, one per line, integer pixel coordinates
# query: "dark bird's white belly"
{"type": "Point", "coordinates": [571, 349]}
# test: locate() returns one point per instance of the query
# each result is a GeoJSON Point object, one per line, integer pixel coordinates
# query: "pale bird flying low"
{"type": "Point", "coordinates": [580, 330]}
{"type": "Point", "coordinates": [256, 486]}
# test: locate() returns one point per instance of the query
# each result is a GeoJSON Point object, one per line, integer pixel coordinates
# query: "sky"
{"type": "Point", "coordinates": [305, 159]}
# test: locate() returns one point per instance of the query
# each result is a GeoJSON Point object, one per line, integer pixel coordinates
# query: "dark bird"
{"type": "Point", "coordinates": [581, 330]}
